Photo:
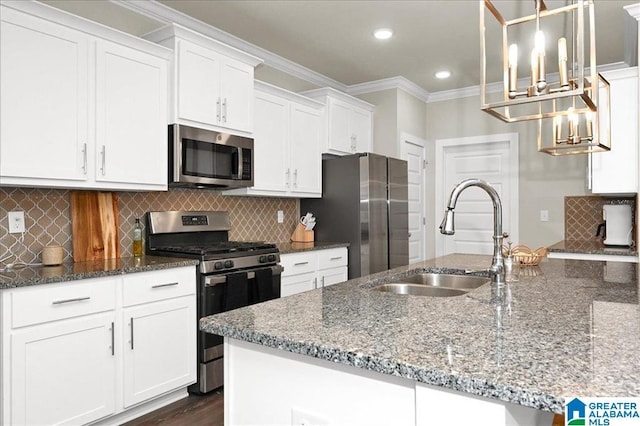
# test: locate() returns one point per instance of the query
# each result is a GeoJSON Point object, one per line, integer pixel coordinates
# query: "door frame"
{"type": "Point", "coordinates": [514, 164]}
{"type": "Point", "coordinates": [415, 140]}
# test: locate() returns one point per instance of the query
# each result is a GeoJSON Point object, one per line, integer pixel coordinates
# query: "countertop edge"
{"type": "Point", "coordinates": [291, 247]}
{"type": "Point", "coordinates": [126, 266]}
{"type": "Point", "coordinates": [434, 377]}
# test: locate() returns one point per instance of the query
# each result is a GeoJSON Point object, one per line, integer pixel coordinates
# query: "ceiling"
{"type": "Point", "coordinates": [334, 38]}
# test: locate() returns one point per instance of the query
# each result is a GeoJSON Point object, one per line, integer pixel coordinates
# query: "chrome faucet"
{"type": "Point", "coordinates": [447, 226]}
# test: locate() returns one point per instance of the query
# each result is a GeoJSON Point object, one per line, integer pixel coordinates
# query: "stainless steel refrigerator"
{"type": "Point", "coordinates": [364, 203]}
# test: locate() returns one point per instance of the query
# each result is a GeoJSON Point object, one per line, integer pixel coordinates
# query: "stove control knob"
{"type": "Point", "coordinates": [262, 259]}
{"type": "Point", "coordinates": [228, 263]}
{"type": "Point", "coordinates": [217, 265]}
{"type": "Point", "coordinates": [271, 257]}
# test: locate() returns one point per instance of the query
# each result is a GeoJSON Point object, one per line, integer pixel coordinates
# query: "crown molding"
{"type": "Point", "coordinates": [466, 92]}
{"type": "Point", "coordinates": [397, 82]}
{"type": "Point", "coordinates": [634, 10]}
{"type": "Point", "coordinates": [164, 14]}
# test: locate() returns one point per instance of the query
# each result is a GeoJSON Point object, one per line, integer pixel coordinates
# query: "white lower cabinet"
{"type": "Point", "coordinates": [63, 373]}
{"type": "Point", "coordinates": [309, 270]}
{"type": "Point", "coordinates": [71, 356]}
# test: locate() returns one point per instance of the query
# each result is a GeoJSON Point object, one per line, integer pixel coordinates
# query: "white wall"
{"type": "Point", "coordinates": [385, 122]}
{"type": "Point", "coordinates": [544, 180]}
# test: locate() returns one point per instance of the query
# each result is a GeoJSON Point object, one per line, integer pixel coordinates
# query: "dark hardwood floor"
{"type": "Point", "coordinates": [196, 410]}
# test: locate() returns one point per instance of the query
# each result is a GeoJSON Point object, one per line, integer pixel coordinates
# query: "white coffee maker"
{"type": "Point", "coordinates": [618, 224]}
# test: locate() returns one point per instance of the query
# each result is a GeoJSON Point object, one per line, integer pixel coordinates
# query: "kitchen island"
{"type": "Point", "coordinates": [349, 355]}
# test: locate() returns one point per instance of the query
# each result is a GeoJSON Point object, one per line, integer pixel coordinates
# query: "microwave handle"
{"type": "Point", "coordinates": [240, 166]}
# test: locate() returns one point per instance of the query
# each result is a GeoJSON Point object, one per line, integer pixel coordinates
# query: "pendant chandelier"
{"type": "Point", "coordinates": [569, 101]}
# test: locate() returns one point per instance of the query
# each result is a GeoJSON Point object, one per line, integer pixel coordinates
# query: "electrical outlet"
{"type": "Point", "coordinates": [304, 418]}
{"type": "Point", "coordinates": [280, 216]}
{"type": "Point", "coordinates": [544, 215]}
{"type": "Point", "coordinates": [16, 222]}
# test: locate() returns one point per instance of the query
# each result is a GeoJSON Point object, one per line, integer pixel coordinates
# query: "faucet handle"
{"type": "Point", "coordinates": [505, 235]}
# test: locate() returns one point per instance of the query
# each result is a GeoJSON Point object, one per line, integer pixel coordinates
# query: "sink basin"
{"type": "Point", "coordinates": [460, 282]}
{"type": "Point", "coordinates": [434, 285]}
{"type": "Point", "coordinates": [418, 290]}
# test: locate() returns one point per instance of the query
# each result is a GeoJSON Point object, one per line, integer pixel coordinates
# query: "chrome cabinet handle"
{"type": "Point", "coordinates": [77, 299]}
{"type": "Point", "coordinates": [336, 258]}
{"type": "Point", "coordinates": [218, 110]}
{"type": "Point", "coordinates": [164, 285]}
{"type": "Point", "coordinates": [295, 178]}
{"type": "Point", "coordinates": [224, 110]}
{"type": "Point", "coordinates": [315, 282]}
{"type": "Point", "coordinates": [113, 348]}
{"type": "Point", "coordinates": [322, 281]}
{"type": "Point", "coordinates": [131, 333]}
{"type": "Point", "coordinates": [103, 153]}
{"type": "Point", "coordinates": [300, 263]}
{"type": "Point", "coordinates": [288, 174]}
{"type": "Point", "coordinates": [84, 158]}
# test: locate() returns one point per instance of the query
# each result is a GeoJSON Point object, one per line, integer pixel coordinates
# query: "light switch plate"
{"type": "Point", "coordinates": [280, 216]}
{"type": "Point", "coordinates": [544, 215]}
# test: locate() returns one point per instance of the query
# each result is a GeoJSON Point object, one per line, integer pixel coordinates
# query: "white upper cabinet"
{"type": "Point", "coordinates": [82, 106]}
{"type": "Point", "coordinates": [212, 83]}
{"type": "Point", "coordinates": [287, 159]}
{"type": "Point", "coordinates": [348, 122]}
{"type": "Point", "coordinates": [616, 171]}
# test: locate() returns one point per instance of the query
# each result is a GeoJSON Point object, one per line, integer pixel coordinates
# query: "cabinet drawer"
{"type": "Point", "coordinates": [152, 286]}
{"type": "Point", "coordinates": [59, 301]}
{"type": "Point", "coordinates": [332, 258]}
{"type": "Point", "coordinates": [299, 263]}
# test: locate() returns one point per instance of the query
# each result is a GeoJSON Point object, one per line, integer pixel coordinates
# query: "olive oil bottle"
{"type": "Point", "coordinates": [137, 238]}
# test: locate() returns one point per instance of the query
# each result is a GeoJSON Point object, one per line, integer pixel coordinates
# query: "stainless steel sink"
{"type": "Point", "coordinates": [435, 285]}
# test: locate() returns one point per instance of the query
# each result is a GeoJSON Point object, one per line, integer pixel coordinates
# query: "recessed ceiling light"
{"type": "Point", "coordinates": [383, 33]}
{"type": "Point", "coordinates": [443, 74]}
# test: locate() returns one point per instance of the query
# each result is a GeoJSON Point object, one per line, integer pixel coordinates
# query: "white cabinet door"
{"type": "Point", "coordinates": [333, 276]}
{"type": "Point", "coordinates": [270, 143]}
{"type": "Point", "coordinates": [304, 146]}
{"type": "Point", "coordinates": [198, 84]}
{"type": "Point", "coordinates": [616, 171]}
{"type": "Point", "coordinates": [339, 128]}
{"type": "Point", "coordinates": [298, 283]}
{"type": "Point", "coordinates": [160, 352]}
{"type": "Point", "coordinates": [360, 130]}
{"type": "Point", "coordinates": [44, 104]}
{"type": "Point", "coordinates": [131, 116]}
{"type": "Point", "coordinates": [63, 372]}
{"type": "Point", "coordinates": [236, 95]}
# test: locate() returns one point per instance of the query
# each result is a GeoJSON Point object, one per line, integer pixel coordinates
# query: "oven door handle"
{"type": "Point", "coordinates": [212, 280]}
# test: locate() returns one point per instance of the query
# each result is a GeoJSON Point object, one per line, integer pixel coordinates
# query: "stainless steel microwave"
{"type": "Point", "coordinates": [200, 158]}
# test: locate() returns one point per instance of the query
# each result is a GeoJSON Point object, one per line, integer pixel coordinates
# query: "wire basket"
{"type": "Point", "coordinates": [524, 255]}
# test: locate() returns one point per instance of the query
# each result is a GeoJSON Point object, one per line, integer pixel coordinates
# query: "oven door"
{"type": "Point", "coordinates": [206, 158]}
{"type": "Point", "coordinates": [221, 293]}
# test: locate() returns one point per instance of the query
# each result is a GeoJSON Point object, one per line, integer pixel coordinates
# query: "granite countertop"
{"type": "Point", "coordinates": [566, 328]}
{"type": "Point", "coordinates": [37, 275]}
{"type": "Point", "coordinates": [290, 247]}
{"type": "Point", "coordinates": [594, 246]}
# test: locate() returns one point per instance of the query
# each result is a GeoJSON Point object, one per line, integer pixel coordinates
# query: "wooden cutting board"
{"type": "Point", "coordinates": [94, 223]}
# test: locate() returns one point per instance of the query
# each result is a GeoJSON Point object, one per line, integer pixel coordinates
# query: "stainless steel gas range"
{"type": "Point", "coordinates": [231, 274]}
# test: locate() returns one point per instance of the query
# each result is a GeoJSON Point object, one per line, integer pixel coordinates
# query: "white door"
{"type": "Point", "coordinates": [198, 84]}
{"type": "Point", "coordinates": [413, 151]}
{"type": "Point", "coordinates": [44, 102]}
{"type": "Point", "coordinates": [131, 116]}
{"type": "Point", "coordinates": [63, 372]}
{"type": "Point", "coordinates": [160, 352]}
{"type": "Point", "coordinates": [271, 171]}
{"type": "Point", "coordinates": [304, 148]}
{"type": "Point", "coordinates": [236, 95]}
{"type": "Point", "coordinates": [491, 158]}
